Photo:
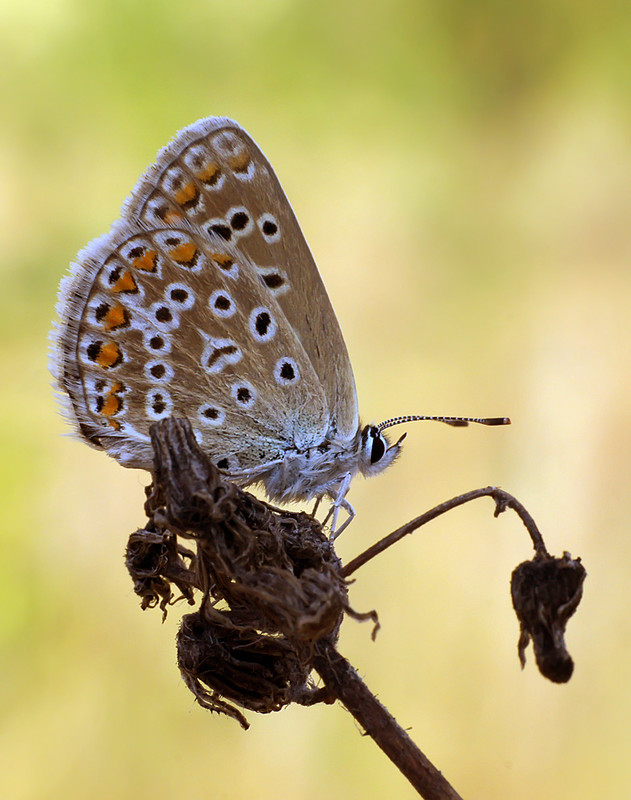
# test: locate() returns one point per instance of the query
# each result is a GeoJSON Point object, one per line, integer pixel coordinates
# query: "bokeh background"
{"type": "Point", "coordinates": [462, 172]}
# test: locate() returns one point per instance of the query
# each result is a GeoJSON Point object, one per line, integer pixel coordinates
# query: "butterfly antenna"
{"type": "Point", "coordinates": [456, 422]}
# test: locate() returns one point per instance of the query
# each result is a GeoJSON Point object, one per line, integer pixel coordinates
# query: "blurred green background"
{"type": "Point", "coordinates": [462, 172]}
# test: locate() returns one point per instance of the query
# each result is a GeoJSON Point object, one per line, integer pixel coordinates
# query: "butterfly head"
{"type": "Point", "coordinates": [376, 451]}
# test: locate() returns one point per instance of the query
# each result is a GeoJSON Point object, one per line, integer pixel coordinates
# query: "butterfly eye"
{"type": "Point", "coordinates": [378, 446]}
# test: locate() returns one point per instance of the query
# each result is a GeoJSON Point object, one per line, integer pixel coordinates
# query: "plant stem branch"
{"type": "Point", "coordinates": [503, 500]}
{"type": "Point", "coordinates": [343, 681]}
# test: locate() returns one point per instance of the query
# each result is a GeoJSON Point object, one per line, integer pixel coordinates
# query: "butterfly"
{"type": "Point", "coordinates": [204, 301]}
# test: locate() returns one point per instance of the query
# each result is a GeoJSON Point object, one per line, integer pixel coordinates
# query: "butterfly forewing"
{"type": "Point", "coordinates": [214, 176]}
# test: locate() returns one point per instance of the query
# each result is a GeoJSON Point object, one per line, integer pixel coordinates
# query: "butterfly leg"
{"type": "Point", "coordinates": [335, 532]}
{"type": "Point", "coordinates": [339, 501]}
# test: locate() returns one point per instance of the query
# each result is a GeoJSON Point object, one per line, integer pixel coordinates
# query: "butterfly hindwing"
{"type": "Point", "coordinates": [168, 321]}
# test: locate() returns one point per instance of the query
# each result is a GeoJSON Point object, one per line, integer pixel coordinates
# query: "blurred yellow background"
{"type": "Point", "coordinates": [462, 172]}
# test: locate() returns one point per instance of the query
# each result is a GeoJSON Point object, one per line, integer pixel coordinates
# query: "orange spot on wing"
{"type": "Point", "coordinates": [187, 195]}
{"type": "Point", "coordinates": [184, 253]}
{"type": "Point", "coordinates": [125, 283]}
{"type": "Point", "coordinates": [115, 317]}
{"type": "Point", "coordinates": [224, 260]}
{"type": "Point", "coordinates": [172, 216]}
{"type": "Point", "coordinates": [240, 162]}
{"type": "Point", "coordinates": [112, 404]}
{"type": "Point", "coordinates": [209, 173]}
{"type": "Point", "coordinates": [109, 355]}
{"type": "Point", "coordinates": [164, 209]}
{"type": "Point", "coordinates": [146, 262]}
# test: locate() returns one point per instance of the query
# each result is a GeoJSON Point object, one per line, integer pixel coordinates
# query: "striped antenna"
{"type": "Point", "coordinates": [457, 422]}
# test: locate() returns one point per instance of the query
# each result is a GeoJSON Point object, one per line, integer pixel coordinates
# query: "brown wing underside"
{"type": "Point", "coordinates": [214, 175]}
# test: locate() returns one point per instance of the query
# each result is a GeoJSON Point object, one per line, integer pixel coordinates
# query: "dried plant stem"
{"type": "Point", "coordinates": [342, 680]}
{"type": "Point", "coordinates": [503, 500]}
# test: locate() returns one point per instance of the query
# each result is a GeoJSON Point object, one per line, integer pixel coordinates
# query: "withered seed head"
{"type": "Point", "coordinates": [546, 592]}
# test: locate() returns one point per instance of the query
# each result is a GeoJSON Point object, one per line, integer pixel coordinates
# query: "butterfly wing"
{"type": "Point", "coordinates": [168, 321]}
{"type": "Point", "coordinates": [214, 176]}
